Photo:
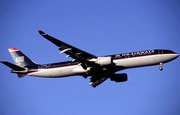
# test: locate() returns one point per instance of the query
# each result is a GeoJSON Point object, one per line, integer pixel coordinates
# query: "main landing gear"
{"type": "Point", "coordinates": [160, 68]}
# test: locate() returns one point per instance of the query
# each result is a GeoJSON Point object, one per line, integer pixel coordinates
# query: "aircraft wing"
{"type": "Point", "coordinates": [71, 51]}
{"type": "Point", "coordinates": [98, 79]}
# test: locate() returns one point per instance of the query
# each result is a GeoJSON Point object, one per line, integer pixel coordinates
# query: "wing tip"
{"type": "Point", "coordinates": [41, 32]}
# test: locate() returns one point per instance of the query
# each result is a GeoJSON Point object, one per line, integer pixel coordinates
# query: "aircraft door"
{"type": "Point", "coordinates": [160, 51]}
{"type": "Point", "coordinates": [40, 67]}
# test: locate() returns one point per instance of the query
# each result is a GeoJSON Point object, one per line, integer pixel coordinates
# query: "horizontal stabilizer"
{"type": "Point", "coordinates": [12, 66]}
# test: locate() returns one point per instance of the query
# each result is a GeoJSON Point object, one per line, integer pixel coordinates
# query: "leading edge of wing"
{"type": "Point", "coordinates": [64, 47]}
{"type": "Point", "coordinates": [57, 42]}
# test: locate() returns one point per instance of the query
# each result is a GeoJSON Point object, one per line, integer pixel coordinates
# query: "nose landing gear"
{"type": "Point", "coordinates": [160, 68]}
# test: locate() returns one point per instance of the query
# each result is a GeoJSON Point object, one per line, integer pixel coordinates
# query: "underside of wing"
{"type": "Point", "coordinates": [71, 51]}
{"type": "Point", "coordinates": [97, 80]}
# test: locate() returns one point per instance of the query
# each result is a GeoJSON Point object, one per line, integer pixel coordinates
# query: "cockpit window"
{"type": "Point", "coordinates": [167, 51]}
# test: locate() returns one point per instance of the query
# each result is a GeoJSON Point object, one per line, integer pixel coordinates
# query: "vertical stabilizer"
{"type": "Point", "coordinates": [20, 59]}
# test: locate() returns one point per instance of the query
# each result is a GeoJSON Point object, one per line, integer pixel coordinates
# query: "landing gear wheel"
{"type": "Point", "coordinates": [160, 68]}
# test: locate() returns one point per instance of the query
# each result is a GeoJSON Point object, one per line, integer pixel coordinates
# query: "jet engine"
{"type": "Point", "coordinates": [119, 77]}
{"type": "Point", "coordinates": [104, 61]}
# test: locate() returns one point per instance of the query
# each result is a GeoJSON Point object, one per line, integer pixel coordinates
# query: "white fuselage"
{"type": "Point", "coordinates": [129, 62]}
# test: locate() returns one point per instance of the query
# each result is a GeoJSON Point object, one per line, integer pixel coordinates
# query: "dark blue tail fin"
{"type": "Point", "coordinates": [20, 59]}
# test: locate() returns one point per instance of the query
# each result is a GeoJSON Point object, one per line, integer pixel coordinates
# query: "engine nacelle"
{"type": "Point", "coordinates": [119, 77]}
{"type": "Point", "coordinates": [103, 61]}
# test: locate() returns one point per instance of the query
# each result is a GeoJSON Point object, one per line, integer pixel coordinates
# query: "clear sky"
{"type": "Point", "coordinates": [100, 27]}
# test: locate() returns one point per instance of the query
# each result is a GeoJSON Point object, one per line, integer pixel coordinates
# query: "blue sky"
{"type": "Point", "coordinates": [99, 27]}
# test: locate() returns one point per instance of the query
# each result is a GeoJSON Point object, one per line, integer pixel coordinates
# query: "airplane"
{"type": "Point", "coordinates": [86, 64]}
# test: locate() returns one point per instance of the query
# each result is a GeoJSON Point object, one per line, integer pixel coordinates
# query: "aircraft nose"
{"type": "Point", "coordinates": [176, 55]}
